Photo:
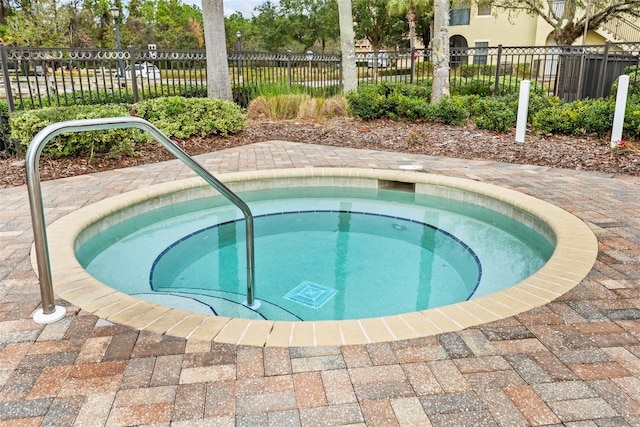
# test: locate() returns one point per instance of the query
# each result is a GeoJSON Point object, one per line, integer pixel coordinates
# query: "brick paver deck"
{"type": "Point", "coordinates": [575, 361]}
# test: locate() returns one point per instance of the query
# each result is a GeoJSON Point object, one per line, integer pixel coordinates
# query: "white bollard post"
{"type": "Point", "coordinates": [523, 110]}
{"type": "Point", "coordinates": [621, 106]}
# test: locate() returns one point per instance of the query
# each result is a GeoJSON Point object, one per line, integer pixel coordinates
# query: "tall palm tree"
{"type": "Point", "coordinates": [410, 9]}
{"type": "Point", "coordinates": [218, 81]}
{"type": "Point", "coordinates": [347, 45]}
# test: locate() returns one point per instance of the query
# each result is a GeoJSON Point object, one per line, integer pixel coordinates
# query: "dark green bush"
{"type": "Point", "coordinates": [565, 119]}
{"type": "Point", "coordinates": [632, 119]}
{"type": "Point", "coordinates": [587, 116]}
{"type": "Point", "coordinates": [26, 124]}
{"type": "Point", "coordinates": [597, 115]}
{"type": "Point", "coordinates": [494, 114]}
{"type": "Point", "coordinates": [539, 102]}
{"type": "Point", "coordinates": [367, 103]}
{"type": "Point", "coordinates": [402, 107]}
{"type": "Point", "coordinates": [6, 145]}
{"type": "Point", "coordinates": [184, 117]}
{"type": "Point", "coordinates": [634, 81]}
{"type": "Point", "coordinates": [455, 110]}
{"type": "Point", "coordinates": [398, 101]}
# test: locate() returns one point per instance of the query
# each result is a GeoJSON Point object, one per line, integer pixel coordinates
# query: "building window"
{"type": "Point", "coordinates": [558, 8]}
{"type": "Point", "coordinates": [480, 54]}
{"type": "Point", "coordinates": [484, 10]}
{"type": "Point", "coordinates": [459, 16]}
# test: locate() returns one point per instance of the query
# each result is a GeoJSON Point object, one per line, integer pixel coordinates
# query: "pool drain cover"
{"type": "Point", "coordinates": [310, 294]}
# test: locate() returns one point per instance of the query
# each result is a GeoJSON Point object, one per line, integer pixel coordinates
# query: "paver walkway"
{"type": "Point", "coordinates": [574, 362]}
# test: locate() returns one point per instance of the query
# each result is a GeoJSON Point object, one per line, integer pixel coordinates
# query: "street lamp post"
{"type": "Point", "coordinates": [309, 58]}
{"type": "Point", "coordinates": [239, 37]}
{"type": "Point", "coordinates": [115, 12]}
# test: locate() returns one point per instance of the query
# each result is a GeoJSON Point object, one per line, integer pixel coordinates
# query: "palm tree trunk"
{"type": "Point", "coordinates": [218, 81]}
{"type": "Point", "coordinates": [440, 51]}
{"type": "Point", "coordinates": [347, 45]}
{"type": "Point", "coordinates": [411, 17]}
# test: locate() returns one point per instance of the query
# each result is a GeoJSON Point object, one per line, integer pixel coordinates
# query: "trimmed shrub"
{"type": "Point", "coordinates": [367, 103]}
{"type": "Point", "coordinates": [454, 111]}
{"type": "Point", "coordinates": [632, 120]}
{"type": "Point", "coordinates": [400, 107]}
{"type": "Point", "coordinates": [565, 118]}
{"type": "Point", "coordinates": [590, 115]}
{"type": "Point", "coordinates": [25, 125]}
{"type": "Point", "coordinates": [597, 115]}
{"type": "Point", "coordinates": [185, 117]}
{"type": "Point", "coordinates": [494, 114]}
{"type": "Point", "coordinates": [539, 102]}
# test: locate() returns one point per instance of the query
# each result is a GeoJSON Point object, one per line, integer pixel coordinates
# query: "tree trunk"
{"type": "Point", "coordinates": [440, 51]}
{"type": "Point", "coordinates": [218, 82]}
{"type": "Point", "coordinates": [347, 45]}
{"type": "Point", "coordinates": [411, 17]}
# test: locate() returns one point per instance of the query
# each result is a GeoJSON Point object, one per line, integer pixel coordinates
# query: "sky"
{"type": "Point", "coordinates": [230, 6]}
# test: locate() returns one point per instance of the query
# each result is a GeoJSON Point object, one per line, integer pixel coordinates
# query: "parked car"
{"type": "Point", "coordinates": [144, 70]}
{"type": "Point", "coordinates": [383, 58]}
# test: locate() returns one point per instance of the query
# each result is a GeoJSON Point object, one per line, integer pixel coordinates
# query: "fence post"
{"type": "Point", "coordinates": [6, 77]}
{"type": "Point", "coordinates": [498, 60]}
{"type": "Point", "coordinates": [413, 63]}
{"type": "Point", "coordinates": [134, 78]}
{"type": "Point", "coordinates": [603, 69]}
{"type": "Point", "coordinates": [289, 66]}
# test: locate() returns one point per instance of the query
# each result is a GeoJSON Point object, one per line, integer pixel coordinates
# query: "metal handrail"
{"type": "Point", "coordinates": [50, 312]}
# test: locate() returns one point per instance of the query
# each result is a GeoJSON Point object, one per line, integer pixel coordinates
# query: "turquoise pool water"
{"type": "Point", "coordinates": [321, 253]}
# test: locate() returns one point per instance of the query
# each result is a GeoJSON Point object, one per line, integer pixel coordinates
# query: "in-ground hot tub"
{"type": "Point", "coordinates": [562, 252]}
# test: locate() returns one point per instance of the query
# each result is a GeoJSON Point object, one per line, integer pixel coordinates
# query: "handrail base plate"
{"type": "Point", "coordinates": [44, 319]}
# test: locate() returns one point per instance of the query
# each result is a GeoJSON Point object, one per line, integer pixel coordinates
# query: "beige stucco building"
{"type": "Point", "coordinates": [473, 25]}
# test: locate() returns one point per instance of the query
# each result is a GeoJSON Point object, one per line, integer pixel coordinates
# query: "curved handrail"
{"type": "Point", "coordinates": [50, 312]}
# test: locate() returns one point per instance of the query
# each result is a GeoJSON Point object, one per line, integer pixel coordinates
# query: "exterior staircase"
{"type": "Point", "coordinates": [620, 30]}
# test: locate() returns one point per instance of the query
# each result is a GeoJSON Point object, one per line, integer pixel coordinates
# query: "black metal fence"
{"type": "Point", "coordinates": [40, 77]}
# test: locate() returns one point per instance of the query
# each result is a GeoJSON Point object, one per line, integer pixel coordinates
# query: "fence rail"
{"type": "Point", "coordinates": [35, 78]}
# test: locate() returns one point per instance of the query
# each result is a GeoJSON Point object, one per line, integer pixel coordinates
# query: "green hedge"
{"type": "Point", "coordinates": [26, 124]}
{"type": "Point", "coordinates": [494, 114]}
{"type": "Point", "coordinates": [400, 101]}
{"type": "Point", "coordinates": [177, 117]}
{"type": "Point", "coordinates": [587, 116]}
{"type": "Point", "coordinates": [185, 117]}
